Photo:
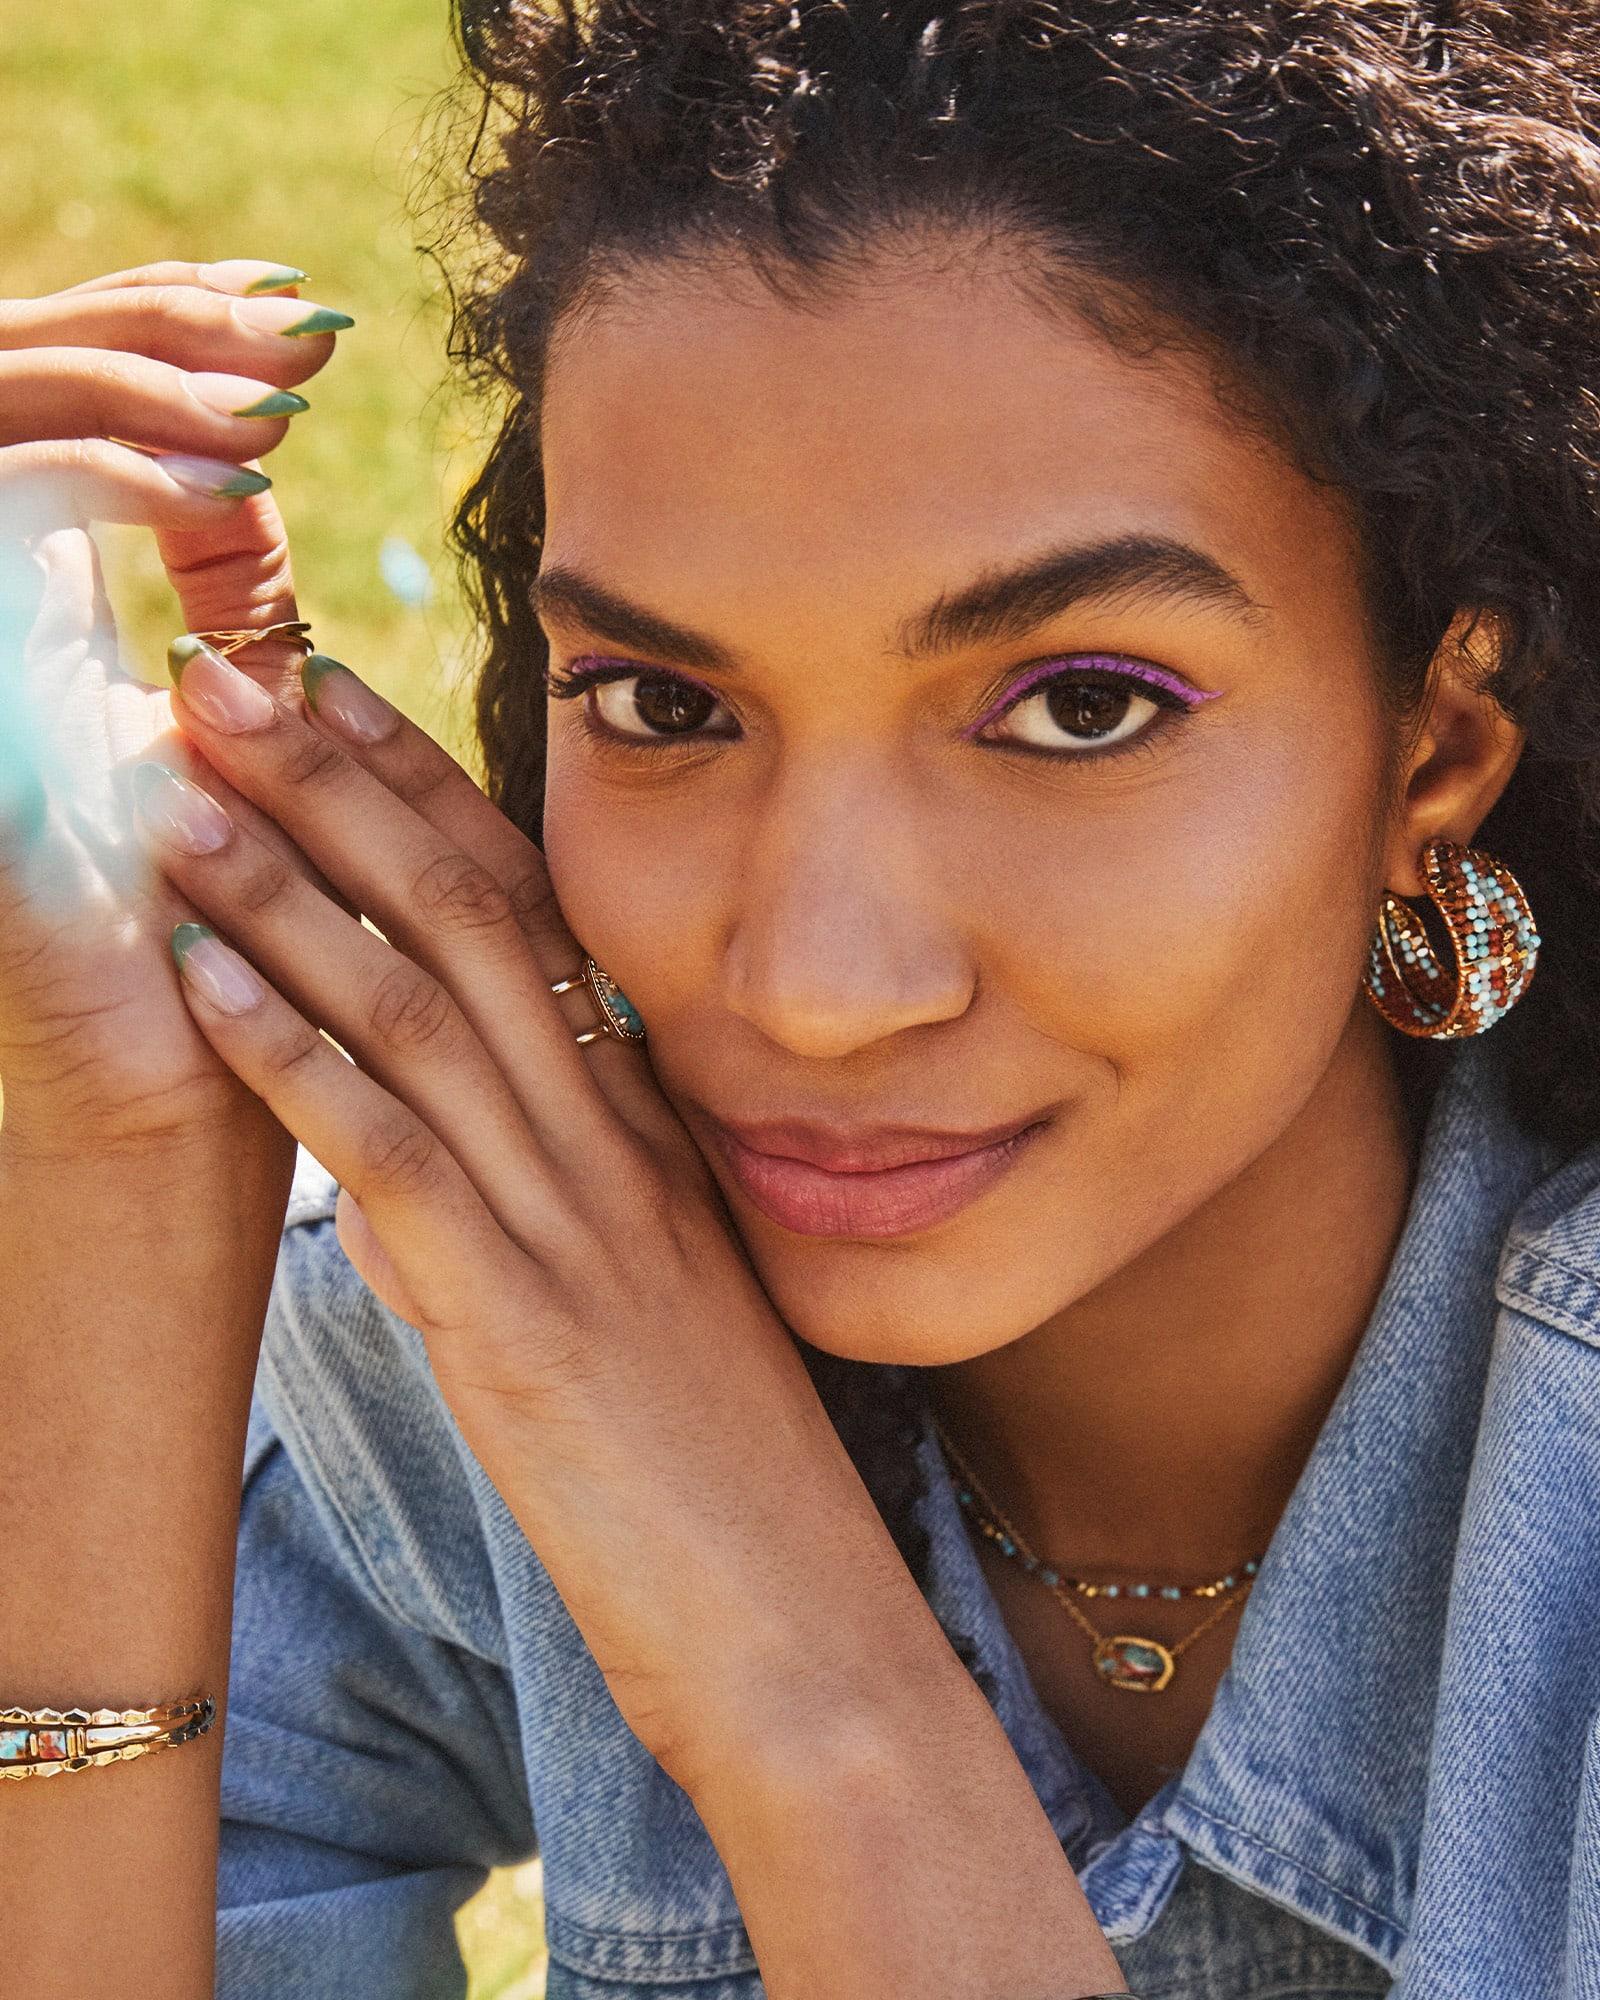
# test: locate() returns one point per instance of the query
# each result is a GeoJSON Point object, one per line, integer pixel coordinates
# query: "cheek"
{"type": "Point", "coordinates": [1207, 936]}
{"type": "Point", "coordinates": [643, 886]}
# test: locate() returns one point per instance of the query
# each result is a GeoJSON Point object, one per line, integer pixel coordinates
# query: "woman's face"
{"type": "Point", "coordinates": [967, 756]}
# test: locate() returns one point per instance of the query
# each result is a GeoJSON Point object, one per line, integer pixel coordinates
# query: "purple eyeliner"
{"type": "Point", "coordinates": [1126, 670]}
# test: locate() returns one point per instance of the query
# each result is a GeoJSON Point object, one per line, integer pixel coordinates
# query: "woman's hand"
{"type": "Point", "coordinates": [537, 1211]}
{"type": "Point", "coordinates": [533, 1207]}
{"type": "Point", "coordinates": [126, 399]}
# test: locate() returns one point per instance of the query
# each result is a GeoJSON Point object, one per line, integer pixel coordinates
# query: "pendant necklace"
{"type": "Point", "coordinates": [1121, 1659]}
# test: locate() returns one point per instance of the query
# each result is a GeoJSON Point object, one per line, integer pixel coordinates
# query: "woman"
{"type": "Point", "coordinates": [1052, 536]}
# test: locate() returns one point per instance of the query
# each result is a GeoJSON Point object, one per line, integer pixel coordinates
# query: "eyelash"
{"type": "Point", "coordinates": [570, 685]}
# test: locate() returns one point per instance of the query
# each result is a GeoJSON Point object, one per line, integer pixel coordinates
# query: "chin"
{"type": "Point", "coordinates": [901, 1303]}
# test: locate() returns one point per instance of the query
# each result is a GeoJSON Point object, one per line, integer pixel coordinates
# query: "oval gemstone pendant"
{"type": "Point", "coordinates": [1143, 1665]}
{"type": "Point", "coordinates": [618, 1009]}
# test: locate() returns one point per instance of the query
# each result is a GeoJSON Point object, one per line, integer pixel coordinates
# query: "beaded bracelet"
{"type": "Point", "coordinates": [41, 1742]}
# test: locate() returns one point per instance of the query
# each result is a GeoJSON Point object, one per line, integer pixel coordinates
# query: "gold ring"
{"type": "Point", "coordinates": [229, 642]}
{"type": "Point", "coordinates": [619, 1016]}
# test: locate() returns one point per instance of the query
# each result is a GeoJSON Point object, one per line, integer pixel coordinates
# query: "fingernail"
{"type": "Point", "coordinates": [239, 396]}
{"type": "Point", "coordinates": [278, 280]}
{"type": "Point", "coordinates": [292, 318]}
{"type": "Point", "coordinates": [178, 812]}
{"type": "Point", "coordinates": [216, 971]}
{"type": "Point", "coordinates": [216, 690]}
{"type": "Point", "coordinates": [339, 696]}
{"type": "Point", "coordinates": [213, 477]}
{"type": "Point", "coordinates": [249, 277]}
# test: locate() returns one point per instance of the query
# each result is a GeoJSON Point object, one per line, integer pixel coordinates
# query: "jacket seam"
{"type": "Point", "coordinates": [1514, 1287]}
{"type": "Point", "coordinates": [1294, 1861]}
{"type": "Point", "coordinates": [732, 1928]}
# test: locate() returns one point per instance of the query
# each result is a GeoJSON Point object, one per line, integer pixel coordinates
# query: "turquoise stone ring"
{"type": "Point", "coordinates": [618, 1015]}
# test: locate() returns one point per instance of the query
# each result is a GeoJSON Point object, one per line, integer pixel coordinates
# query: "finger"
{"type": "Point", "coordinates": [69, 482]}
{"type": "Point", "coordinates": [227, 556]}
{"type": "Point", "coordinates": [443, 908]}
{"type": "Point", "coordinates": [399, 1022]}
{"type": "Point", "coordinates": [360, 1243]}
{"type": "Point", "coordinates": [276, 340]}
{"type": "Point", "coordinates": [442, 1239]}
{"type": "Point", "coordinates": [242, 277]}
{"type": "Point", "coordinates": [68, 392]}
{"type": "Point", "coordinates": [423, 775]}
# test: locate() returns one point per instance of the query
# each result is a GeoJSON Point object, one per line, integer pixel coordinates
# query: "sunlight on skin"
{"type": "Point", "coordinates": [30, 759]}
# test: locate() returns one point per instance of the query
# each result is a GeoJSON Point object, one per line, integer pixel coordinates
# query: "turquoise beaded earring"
{"type": "Point", "coordinates": [1492, 936]}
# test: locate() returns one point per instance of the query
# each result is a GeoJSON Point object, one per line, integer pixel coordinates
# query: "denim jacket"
{"type": "Point", "coordinates": [1400, 1770]}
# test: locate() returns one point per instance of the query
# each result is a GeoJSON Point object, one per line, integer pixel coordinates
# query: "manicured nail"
{"type": "Point", "coordinates": [179, 813]}
{"type": "Point", "coordinates": [281, 403]}
{"type": "Point", "coordinates": [239, 396]}
{"type": "Point", "coordinates": [212, 476]}
{"type": "Point", "coordinates": [278, 280]}
{"type": "Point", "coordinates": [249, 277]}
{"type": "Point", "coordinates": [215, 971]}
{"type": "Point", "coordinates": [322, 320]}
{"type": "Point", "coordinates": [291, 317]}
{"type": "Point", "coordinates": [215, 689]}
{"type": "Point", "coordinates": [340, 697]}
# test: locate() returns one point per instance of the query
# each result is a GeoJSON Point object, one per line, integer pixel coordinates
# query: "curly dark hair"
{"type": "Point", "coordinates": [1383, 216]}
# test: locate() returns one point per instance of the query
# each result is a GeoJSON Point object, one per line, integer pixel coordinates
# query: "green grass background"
{"type": "Point", "coordinates": [284, 129]}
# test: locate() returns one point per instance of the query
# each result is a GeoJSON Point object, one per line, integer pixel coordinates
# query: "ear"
{"type": "Point", "coordinates": [1462, 755]}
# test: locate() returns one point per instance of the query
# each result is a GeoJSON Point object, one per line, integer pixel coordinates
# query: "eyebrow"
{"type": "Point", "coordinates": [997, 606]}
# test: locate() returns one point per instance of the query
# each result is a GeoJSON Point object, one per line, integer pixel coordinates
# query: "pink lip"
{"type": "Point", "coordinates": [878, 1184]}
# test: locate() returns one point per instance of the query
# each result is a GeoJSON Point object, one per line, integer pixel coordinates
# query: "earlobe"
{"type": "Point", "coordinates": [1463, 754]}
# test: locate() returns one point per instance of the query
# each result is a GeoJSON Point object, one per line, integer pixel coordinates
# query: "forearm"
{"type": "Point", "coordinates": [893, 1846]}
{"type": "Point", "coordinates": [131, 1303]}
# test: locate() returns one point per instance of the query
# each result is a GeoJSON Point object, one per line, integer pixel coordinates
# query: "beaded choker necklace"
{"type": "Point", "coordinates": [1121, 1659]}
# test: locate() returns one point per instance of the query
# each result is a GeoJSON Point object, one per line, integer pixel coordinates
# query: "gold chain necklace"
{"type": "Point", "coordinates": [1121, 1659]}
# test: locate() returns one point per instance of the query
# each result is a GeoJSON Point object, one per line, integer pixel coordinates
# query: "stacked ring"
{"type": "Point", "coordinates": [230, 641]}
{"type": "Point", "coordinates": [618, 1015]}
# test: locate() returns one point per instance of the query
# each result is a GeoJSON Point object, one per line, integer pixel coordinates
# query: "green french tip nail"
{"type": "Point", "coordinates": [314, 670]}
{"type": "Point", "coordinates": [280, 403]}
{"type": "Point", "coordinates": [323, 320]}
{"type": "Point", "coordinates": [243, 484]}
{"type": "Point", "coordinates": [181, 652]}
{"type": "Point", "coordinates": [186, 936]}
{"type": "Point", "coordinates": [278, 280]}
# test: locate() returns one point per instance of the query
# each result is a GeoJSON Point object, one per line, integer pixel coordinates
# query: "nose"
{"type": "Point", "coordinates": [841, 935]}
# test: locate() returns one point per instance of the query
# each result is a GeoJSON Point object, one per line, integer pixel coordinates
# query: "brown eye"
{"type": "Point", "coordinates": [642, 706]}
{"type": "Point", "coordinates": [1073, 713]}
{"type": "Point", "coordinates": [1086, 710]}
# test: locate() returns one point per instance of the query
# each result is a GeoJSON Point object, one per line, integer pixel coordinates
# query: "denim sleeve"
{"type": "Point", "coordinates": [372, 1766]}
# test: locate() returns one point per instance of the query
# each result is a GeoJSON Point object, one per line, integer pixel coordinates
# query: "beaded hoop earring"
{"type": "Point", "coordinates": [1492, 936]}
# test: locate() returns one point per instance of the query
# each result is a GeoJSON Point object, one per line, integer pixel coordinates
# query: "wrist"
{"type": "Point", "coordinates": [888, 1828]}
{"type": "Point", "coordinates": [230, 1171]}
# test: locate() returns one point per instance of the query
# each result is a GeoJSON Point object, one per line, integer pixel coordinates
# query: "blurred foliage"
{"type": "Point", "coordinates": [203, 129]}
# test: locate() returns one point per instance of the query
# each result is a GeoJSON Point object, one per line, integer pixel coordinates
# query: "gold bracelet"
{"type": "Point", "coordinates": [40, 1742]}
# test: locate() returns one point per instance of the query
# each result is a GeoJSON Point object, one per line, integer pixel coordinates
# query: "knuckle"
{"type": "Point", "coordinates": [457, 892]}
{"type": "Point", "coordinates": [265, 883]}
{"type": "Point", "coordinates": [397, 1155]}
{"type": "Point", "coordinates": [533, 902]}
{"type": "Point", "coordinates": [310, 759]}
{"type": "Point", "coordinates": [416, 781]}
{"type": "Point", "coordinates": [410, 1009]}
{"type": "Point", "coordinates": [290, 1050]}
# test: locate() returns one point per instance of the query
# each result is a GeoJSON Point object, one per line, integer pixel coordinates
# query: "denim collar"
{"type": "Point", "coordinates": [1307, 1781]}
